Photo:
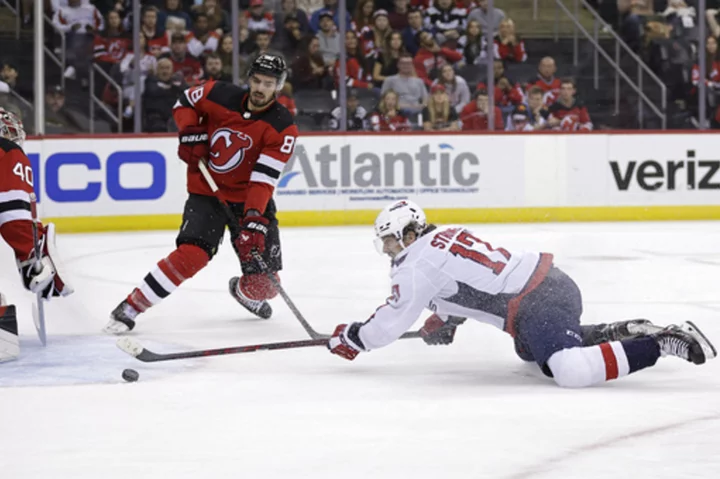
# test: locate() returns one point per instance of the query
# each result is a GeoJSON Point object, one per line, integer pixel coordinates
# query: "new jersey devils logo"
{"type": "Point", "coordinates": [227, 149]}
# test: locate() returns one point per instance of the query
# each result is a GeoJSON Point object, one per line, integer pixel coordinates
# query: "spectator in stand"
{"type": "Point", "coordinates": [456, 88]}
{"type": "Point", "coordinates": [356, 114]}
{"type": "Point", "coordinates": [289, 8]}
{"type": "Point", "coordinates": [57, 118]}
{"type": "Point", "coordinates": [387, 116]}
{"type": "Point", "coordinates": [375, 36]}
{"type": "Point", "coordinates": [399, 15]}
{"type": "Point", "coordinates": [568, 113]}
{"type": "Point", "coordinates": [411, 91]}
{"type": "Point", "coordinates": [363, 15]}
{"type": "Point", "coordinates": [634, 14]}
{"type": "Point", "coordinates": [79, 22]}
{"type": "Point", "coordinates": [712, 81]}
{"type": "Point", "coordinates": [157, 41]}
{"type": "Point", "coordinates": [712, 15]}
{"type": "Point", "coordinates": [474, 116]}
{"type": "Point", "coordinates": [482, 16]}
{"type": "Point", "coordinates": [214, 68]}
{"type": "Point", "coordinates": [310, 6]}
{"type": "Point", "coordinates": [538, 111]}
{"type": "Point", "coordinates": [148, 64]}
{"type": "Point", "coordinates": [218, 18]}
{"type": "Point", "coordinates": [386, 62]}
{"type": "Point", "coordinates": [262, 46]}
{"type": "Point", "coordinates": [356, 75]}
{"type": "Point", "coordinates": [446, 21]}
{"type": "Point", "coordinates": [309, 69]}
{"type": "Point", "coordinates": [329, 39]}
{"type": "Point", "coordinates": [285, 98]}
{"type": "Point", "coordinates": [260, 19]}
{"type": "Point", "coordinates": [202, 40]}
{"type": "Point", "coordinates": [430, 58]}
{"type": "Point", "coordinates": [507, 93]}
{"type": "Point", "coordinates": [225, 53]}
{"type": "Point", "coordinates": [111, 44]}
{"type": "Point", "coordinates": [473, 44]}
{"type": "Point", "coordinates": [8, 77]}
{"type": "Point", "coordinates": [519, 119]}
{"type": "Point", "coordinates": [546, 80]}
{"type": "Point", "coordinates": [161, 93]}
{"type": "Point", "coordinates": [288, 38]}
{"type": "Point", "coordinates": [174, 9]}
{"type": "Point", "coordinates": [330, 6]}
{"type": "Point", "coordinates": [506, 44]}
{"type": "Point", "coordinates": [410, 33]}
{"type": "Point", "coordinates": [439, 115]}
{"type": "Point", "coordinates": [189, 66]}
{"type": "Point", "coordinates": [681, 17]}
{"type": "Point", "coordinates": [247, 41]}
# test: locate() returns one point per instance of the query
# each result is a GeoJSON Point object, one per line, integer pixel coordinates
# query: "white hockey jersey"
{"type": "Point", "coordinates": [452, 272]}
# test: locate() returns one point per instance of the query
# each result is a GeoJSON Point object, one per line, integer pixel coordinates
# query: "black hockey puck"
{"type": "Point", "coordinates": [130, 375]}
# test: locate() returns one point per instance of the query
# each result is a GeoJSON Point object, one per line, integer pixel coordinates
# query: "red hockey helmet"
{"type": "Point", "coordinates": [11, 127]}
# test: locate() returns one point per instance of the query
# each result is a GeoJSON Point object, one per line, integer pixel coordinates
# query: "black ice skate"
{"type": "Point", "coordinates": [618, 331]}
{"type": "Point", "coordinates": [686, 342]}
{"type": "Point", "coordinates": [259, 308]}
{"type": "Point", "coordinates": [122, 319]}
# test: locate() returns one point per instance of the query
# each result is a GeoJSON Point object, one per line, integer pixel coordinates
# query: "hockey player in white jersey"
{"type": "Point", "coordinates": [455, 274]}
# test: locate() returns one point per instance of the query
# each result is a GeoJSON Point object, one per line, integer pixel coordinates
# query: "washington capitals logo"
{"type": "Point", "coordinates": [227, 149]}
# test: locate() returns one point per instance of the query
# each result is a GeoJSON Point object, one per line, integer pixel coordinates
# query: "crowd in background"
{"type": "Point", "coordinates": [411, 64]}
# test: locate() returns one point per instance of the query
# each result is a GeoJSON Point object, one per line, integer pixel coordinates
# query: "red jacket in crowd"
{"type": "Point", "coordinates": [380, 122]}
{"type": "Point", "coordinates": [574, 117]}
{"type": "Point", "coordinates": [510, 53]}
{"type": "Point", "coordinates": [355, 76]}
{"type": "Point", "coordinates": [550, 88]}
{"type": "Point", "coordinates": [514, 96]}
{"type": "Point", "coordinates": [476, 120]}
{"type": "Point", "coordinates": [190, 67]}
{"type": "Point", "coordinates": [109, 49]}
{"type": "Point", "coordinates": [426, 61]}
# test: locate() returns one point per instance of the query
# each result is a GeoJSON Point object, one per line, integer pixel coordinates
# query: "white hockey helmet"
{"type": "Point", "coordinates": [395, 219]}
{"type": "Point", "coordinates": [11, 127]}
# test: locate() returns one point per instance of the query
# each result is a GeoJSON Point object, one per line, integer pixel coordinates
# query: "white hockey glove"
{"type": "Point", "coordinates": [47, 277]}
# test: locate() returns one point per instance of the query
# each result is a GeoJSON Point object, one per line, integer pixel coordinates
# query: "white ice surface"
{"type": "Point", "coordinates": [470, 410]}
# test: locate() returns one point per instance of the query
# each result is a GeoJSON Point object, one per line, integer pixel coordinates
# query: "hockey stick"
{"type": "Point", "coordinates": [233, 224]}
{"type": "Point", "coordinates": [38, 308]}
{"type": "Point", "coordinates": [135, 349]}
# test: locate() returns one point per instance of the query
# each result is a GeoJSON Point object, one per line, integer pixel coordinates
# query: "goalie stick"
{"type": "Point", "coordinates": [135, 349]}
{"type": "Point", "coordinates": [38, 308]}
{"type": "Point", "coordinates": [233, 225]}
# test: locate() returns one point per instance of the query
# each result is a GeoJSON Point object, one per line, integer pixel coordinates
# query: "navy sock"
{"type": "Point", "coordinates": [641, 352]}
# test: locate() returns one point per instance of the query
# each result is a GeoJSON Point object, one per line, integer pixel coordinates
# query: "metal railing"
{"type": "Point", "coordinates": [59, 61]}
{"type": "Point", "coordinates": [642, 68]}
{"type": "Point", "coordinates": [94, 100]}
{"type": "Point", "coordinates": [18, 16]}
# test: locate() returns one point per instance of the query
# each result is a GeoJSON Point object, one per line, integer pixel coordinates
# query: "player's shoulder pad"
{"type": "Point", "coordinates": [7, 146]}
{"type": "Point", "coordinates": [278, 117]}
{"type": "Point", "coordinates": [226, 94]}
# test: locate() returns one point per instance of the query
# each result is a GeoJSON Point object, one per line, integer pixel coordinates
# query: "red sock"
{"type": "Point", "coordinates": [181, 264]}
{"type": "Point", "coordinates": [258, 286]}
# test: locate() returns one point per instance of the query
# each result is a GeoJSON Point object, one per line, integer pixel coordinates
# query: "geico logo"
{"type": "Point", "coordinates": [346, 168]}
{"type": "Point", "coordinates": [652, 175]}
{"type": "Point", "coordinates": [79, 177]}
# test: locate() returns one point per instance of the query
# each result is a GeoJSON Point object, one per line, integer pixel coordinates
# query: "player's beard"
{"type": "Point", "coordinates": [259, 100]}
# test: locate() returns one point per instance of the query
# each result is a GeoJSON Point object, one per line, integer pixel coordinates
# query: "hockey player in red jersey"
{"type": "Point", "coordinates": [457, 275]}
{"type": "Point", "coordinates": [16, 228]}
{"type": "Point", "coordinates": [246, 138]}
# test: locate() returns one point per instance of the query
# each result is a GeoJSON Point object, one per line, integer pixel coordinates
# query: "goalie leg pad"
{"type": "Point", "coordinates": [9, 341]}
{"type": "Point", "coordinates": [258, 286]}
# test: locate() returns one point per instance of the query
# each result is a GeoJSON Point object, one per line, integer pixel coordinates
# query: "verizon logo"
{"type": "Point", "coordinates": [651, 175]}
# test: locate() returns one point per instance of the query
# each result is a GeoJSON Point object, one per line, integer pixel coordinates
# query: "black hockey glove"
{"type": "Point", "coordinates": [436, 331]}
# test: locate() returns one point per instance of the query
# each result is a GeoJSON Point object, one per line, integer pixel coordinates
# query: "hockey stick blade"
{"type": "Point", "coordinates": [135, 349]}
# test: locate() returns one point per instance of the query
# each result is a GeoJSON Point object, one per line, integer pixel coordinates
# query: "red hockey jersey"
{"type": "Point", "coordinates": [16, 184]}
{"type": "Point", "coordinates": [248, 149]}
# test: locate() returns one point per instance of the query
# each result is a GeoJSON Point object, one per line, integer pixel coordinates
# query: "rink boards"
{"type": "Point", "coordinates": [137, 182]}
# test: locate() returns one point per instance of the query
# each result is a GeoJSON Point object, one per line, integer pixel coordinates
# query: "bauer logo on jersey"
{"type": "Point", "coordinates": [227, 149]}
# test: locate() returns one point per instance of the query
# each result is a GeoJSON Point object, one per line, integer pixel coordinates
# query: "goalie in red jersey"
{"type": "Point", "coordinates": [16, 228]}
{"type": "Point", "coordinates": [246, 138]}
